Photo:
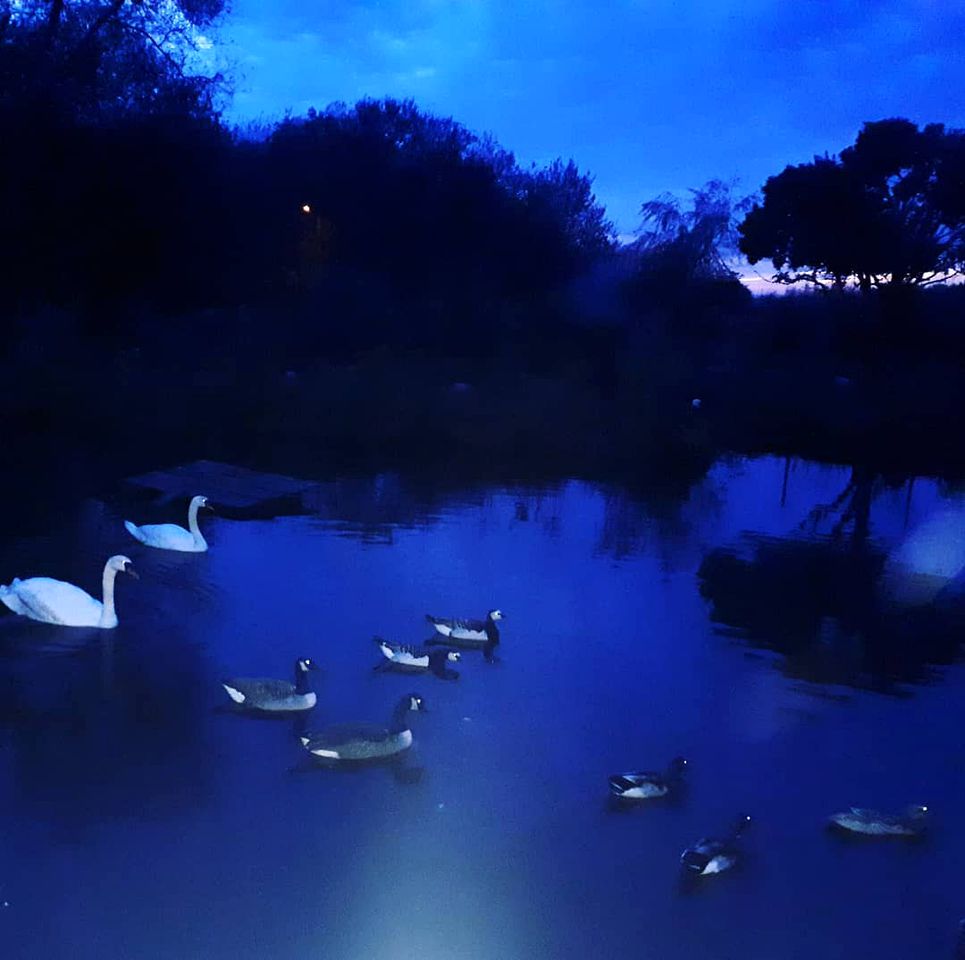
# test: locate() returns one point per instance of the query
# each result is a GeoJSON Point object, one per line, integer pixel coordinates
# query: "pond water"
{"type": "Point", "coordinates": [792, 629]}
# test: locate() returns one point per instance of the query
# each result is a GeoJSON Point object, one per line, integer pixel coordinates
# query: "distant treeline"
{"type": "Point", "coordinates": [378, 204]}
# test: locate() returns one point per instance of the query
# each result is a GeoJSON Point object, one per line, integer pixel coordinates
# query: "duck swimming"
{"type": "Point", "coordinates": [645, 784]}
{"type": "Point", "coordinates": [407, 659]}
{"type": "Point", "coordinates": [876, 824]}
{"type": "Point", "coordinates": [366, 741]}
{"type": "Point", "coordinates": [54, 601]}
{"type": "Point", "coordinates": [473, 634]}
{"type": "Point", "coordinates": [710, 855]}
{"type": "Point", "coordinates": [169, 536]}
{"type": "Point", "coordinates": [274, 696]}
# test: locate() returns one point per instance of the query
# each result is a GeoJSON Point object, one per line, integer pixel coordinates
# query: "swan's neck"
{"type": "Point", "coordinates": [108, 614]}
{"type": "Point", "coordinates": [193, 523]}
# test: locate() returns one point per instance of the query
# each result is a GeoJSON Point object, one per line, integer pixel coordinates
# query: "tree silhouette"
{"type": "Point", "coordinates": [695, 244]}
{"type": "Point", "coordinates": [421, 205]}
{"type": "Point", "coordinates": [91, 58]}
{"type": "Point", "coordinates": [890, 211]}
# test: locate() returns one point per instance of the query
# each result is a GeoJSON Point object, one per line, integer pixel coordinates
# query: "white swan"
{"type": "Point", "coordinates": [169, 536]}
{"type": "Point", "coordinates": [54, 601]}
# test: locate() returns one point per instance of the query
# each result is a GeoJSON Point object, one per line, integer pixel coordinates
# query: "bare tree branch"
{"type": "Point", "coordinates": [158, 45]}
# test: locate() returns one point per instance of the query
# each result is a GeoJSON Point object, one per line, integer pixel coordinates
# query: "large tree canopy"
{"type": "Point", "coordinates": [890, 210]}
{"type": "Point", "coordinates": [411, 195]}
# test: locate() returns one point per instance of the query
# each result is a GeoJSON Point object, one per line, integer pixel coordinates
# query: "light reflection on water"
{"type": "Point", "coordinates": [741, 627]}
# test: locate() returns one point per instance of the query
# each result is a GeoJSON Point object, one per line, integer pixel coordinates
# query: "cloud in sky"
{"type": "Point", "coordinates": [649, 95]}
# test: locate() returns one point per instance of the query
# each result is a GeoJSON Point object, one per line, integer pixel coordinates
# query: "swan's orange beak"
{"type": "Point", "coordinates": [129, 568]}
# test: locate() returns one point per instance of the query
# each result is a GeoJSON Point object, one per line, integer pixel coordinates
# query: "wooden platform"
{"type": "Point", "coordinates": [233, 491]}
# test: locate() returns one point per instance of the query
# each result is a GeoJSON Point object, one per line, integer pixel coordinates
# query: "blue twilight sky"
{"type": "Point", "coordinates": [647, 95]}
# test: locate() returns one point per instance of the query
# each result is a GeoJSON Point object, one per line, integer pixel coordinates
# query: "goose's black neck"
{"type": "Point", "coordinates": [400, 720]}
{"type": "Point", "coordinates": [492, 639]}
{"type": "Point", "coordinates": [674, 771]}
{"type": "Point", "coordinates": [302, 686]}
{"type": "Point", "coordinates": [737, 830]}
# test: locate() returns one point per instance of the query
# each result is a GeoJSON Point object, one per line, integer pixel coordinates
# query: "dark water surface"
{"type": "Point", "coordinates": [792, 629]}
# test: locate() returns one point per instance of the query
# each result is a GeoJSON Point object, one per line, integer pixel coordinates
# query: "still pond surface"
{"type": "Point", "coordinates": [792, 629]}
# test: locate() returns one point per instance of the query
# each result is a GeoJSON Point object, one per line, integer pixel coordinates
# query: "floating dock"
{"type": "Point", "coordinates": [234, 491]}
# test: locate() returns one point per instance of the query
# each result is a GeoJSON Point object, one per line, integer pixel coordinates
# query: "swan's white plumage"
{"type": "Point", "coordinates": [164, 536]}
{"type": "Point", "coordinates": [54, 601]}
{"type": "Point", "coordinates": [170, 536]}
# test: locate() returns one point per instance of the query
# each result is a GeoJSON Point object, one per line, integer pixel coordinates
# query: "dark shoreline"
{"type": "Point", "coordinates": [73, 436]}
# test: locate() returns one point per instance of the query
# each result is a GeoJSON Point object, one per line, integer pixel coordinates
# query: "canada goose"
{"type": "Point", "coordinates": [710, 855]}
{"type": "Point", "coordinates": [274, 696]}
{"type": "Point", "coordinates": [54, 601]}
{"type": "Point", "coordinates": [169, 536]}
{"type": "Point", "coordinates": [474, 634]}
{"type": "Point", "coordinates": [366, 741]}
{"type": "Point", "coordinates": [435, 660]}
{"type": "Point", "coordinates": [646, 784]}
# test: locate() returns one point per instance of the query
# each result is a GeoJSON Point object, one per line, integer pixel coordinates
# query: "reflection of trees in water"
{"type": "Point", "coordinates": [851, 507]}
{"type": "Point", "coordinates": [631, 526]}
{"type": "Point", "coordinates": [817, 603]}
{"type": "Point", "coordinates": [850, 510]}
{"type": "Point", "coordinates": [849, 513]}
{"type": "Point", "coordinates": [626, 527]}
{"type": "Point", "coordinates": [372, 508]}
{"type": "Point", "coordinates": [657, 521]}
{"type": "Point", "coordinates": [542, 506]}
{"type": "Point", "coordinates": [103, 731]}
{"type": "Point", "coordinates": [818, 599]}
{"type": "Point", "coordinates": [634, 519]}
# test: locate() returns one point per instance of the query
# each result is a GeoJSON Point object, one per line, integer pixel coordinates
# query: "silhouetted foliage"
{"type": "Point", "coordinates": [112, 154]}
{"type": "Point", "coordinates": [889, 211]}
{"type": "Point", "coordinates": [372, 224]}
{"type": "Point", "coordinates": [691, 244]}
{"type": "Point", "coordinates": [681, 257]}
{"type": "Point", "coordinates": [92, 58]}
{"type": "Point", "coordinates": [419, 208]}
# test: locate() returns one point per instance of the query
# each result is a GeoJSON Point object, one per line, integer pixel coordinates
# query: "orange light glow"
{"type": "Point", "coordinates": [306, 208]}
